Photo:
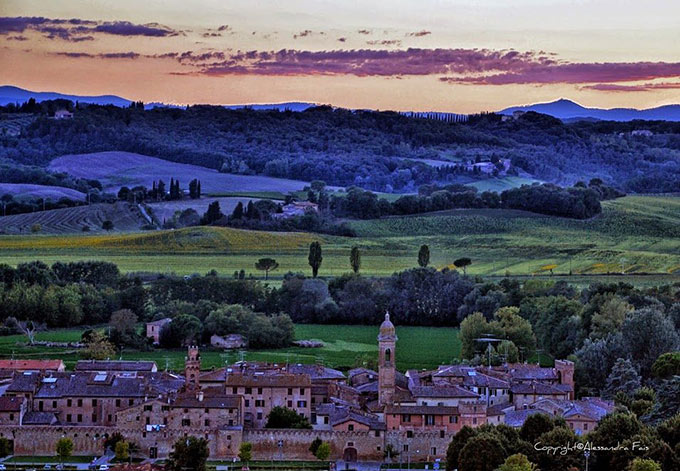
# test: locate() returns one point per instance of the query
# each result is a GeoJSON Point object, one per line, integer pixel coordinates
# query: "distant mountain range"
{"type": "Point", "coordinates": [9, 94]}
{"type": "Point", "coordinates": [568, 110]}
{"type": "Point", "coordinates": [563, 109]}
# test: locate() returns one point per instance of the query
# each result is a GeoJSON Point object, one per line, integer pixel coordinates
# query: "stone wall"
{"type": "Point", "coordinates": [295, 444]}
{"type": "Point", "coordinates": [40, 440]}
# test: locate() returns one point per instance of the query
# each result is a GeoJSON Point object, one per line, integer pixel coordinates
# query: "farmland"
{"type": "Point", "coordinates": [643, 231]}
{"type": "Point", "coordinates": [116, 169]}
{"type": "Point", "coordinates": [345, 346]}
{"type": "Point", "coordinates": [25, 190]}
{"type": "Point", "coordinates": [125, 217]}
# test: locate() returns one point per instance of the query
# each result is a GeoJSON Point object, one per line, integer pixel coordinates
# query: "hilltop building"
{"type": "Point", "coordinates": [361, 414]}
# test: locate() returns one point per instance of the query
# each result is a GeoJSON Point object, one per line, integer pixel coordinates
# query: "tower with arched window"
{"type": "Point", "coordinates": [387, 341]}
{"type": "Point", "coordinates": [192, 368]}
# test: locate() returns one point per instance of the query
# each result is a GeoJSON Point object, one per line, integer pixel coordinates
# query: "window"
{"type": "Point", "coordinates": [453, 419]}
{"type": "Point", "coordinates": [80, 417]}
{"type": "Point", "coordinates": [302, 391]}
{"type": "Point", "coordinates": [441, 434]}
{"type": "Point", "coordinates": [405, 447]}
{"type": "Point", "coordinates": [186, 422]}
{"type": "Point", "coordinates": [259, 391]}
{"type": "Point", "coordinates": [165, 421]}
{"type": "Point", "coordinates": [325, 420]}
{"type": "Point", "coordinates": [377, 434]}
{"type": "Point", "coordinates": [290, 391]}
{"type": "Point", "coordinates": [409, 434]}
{"type": "Point", "coordinates": [406, 418]}
{"type": "Point", "coordinates": [302, 403]}
{"type": "Point", "coordinates": [94, 418]}
{"type": "Point", "coordinates": [207, 422]}
{"type": "Point", "coordinates": [231, 422]}
{"type": "Point", "coordinates": [388, 355]}
{"type": "Point", "coordinates": [117, 403]}
{"type": "Point", "coordinates": [474, 420]}
{"type": "Point", "coordinates": [40, 405]}
{"type": "Point", "coordinates": [433, 450]}
{"type": "Point", "coordinates": [148, 408]}
{"type": "Point", "coordinates": [259, 416]}
{"type": "Point", "coordinates": [350, 428]}
{"type": "Point", "coordinates": [80, 403]}
{"type": "Point", "coordinates": [94, 403]}
{"type": "Point", "coordinates": [109, 417]}
{"type": "Point", "coordinates": [247, 403]}
{"type": "Point", "coordinates": [131, 401]}
{"type": "Point", "coordinates": [234, 390]}
{"type": "Point", "coordinates": [207, 410]}
{"type": "Point", "coordinates": [54, 404]}
{"type": "Point", "coordinates": [259, 403]}
{"type": "Point", "coordinates": [249, 390]}
{"type": "Point", "coordinates": [429, 420]}
{"type": "Point", "coordinates": [11, 417]}
{"type": "Point", "coordinates": [165, 408]}
{"type": "Point", "coordinates": [585, 426]}
{"type": "Point", "coordinates": [68, 417]}
{"type": "Point", "coordinates": [69, 403]}
{"type": "Point", "coordinates": [290, 404]}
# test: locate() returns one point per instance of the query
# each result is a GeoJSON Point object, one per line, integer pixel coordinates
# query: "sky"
{"type": "Point", "coordinates": [447, 55]}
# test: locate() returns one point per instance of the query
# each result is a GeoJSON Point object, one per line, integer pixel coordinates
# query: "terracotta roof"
{"type": "Point", "coordinates": [10, 404]}
{"type": "Point", "coordinates": [108, 365]}
{"type": "Point", "coordinates": [357, 371]}
{"type": "Point", "coordinates": [39, 418]}
{"type": "Point", "coordinates": [38, 365]}
{"type": "Point", "coordinates": [211, 402]}
{"type": "Point", "coordinates": [24, 382]}
{"type": "Point", "coordinates": [316, 372]}
{"type": "Point", "coordinates": [422, 410]}
{"type": "Point", "coordinates": [279, 380]}
{"type": "Point", "coordinates": [540, 388]}
{"type": "Point", "coordinates": [88, 384]}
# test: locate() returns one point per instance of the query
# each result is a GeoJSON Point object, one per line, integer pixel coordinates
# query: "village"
{"type": "Point", "coordinates": [363, 415]}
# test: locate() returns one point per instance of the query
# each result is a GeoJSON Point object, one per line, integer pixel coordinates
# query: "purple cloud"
{"type": "Point", "coordinates": [368, 62]}
{"type": "Point", "coordinates": [575, 73]}
{"type": "Point", "coordinates": [419, 34]}
{"type": "Point", "coordinates": [384, 42]}
{"type": "Point", "coordinates": [76, 29]}
{"type": "Point", "coordinates": [645, 87]}
{"type": "Point", "coordinates": [125, 28]}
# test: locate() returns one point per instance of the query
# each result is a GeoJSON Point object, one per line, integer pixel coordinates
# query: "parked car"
{"type": "Point", "coordinates": [103, 467]}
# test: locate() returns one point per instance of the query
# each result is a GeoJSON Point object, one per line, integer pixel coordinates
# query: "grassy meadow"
{"type": "Point", "coordinates": [635, 234]}
{"type": "Point", "coordinates": [345, 346]}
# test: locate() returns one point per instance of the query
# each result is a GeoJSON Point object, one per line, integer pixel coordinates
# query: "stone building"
{"type": "Point", "coordinates": [362, 416]}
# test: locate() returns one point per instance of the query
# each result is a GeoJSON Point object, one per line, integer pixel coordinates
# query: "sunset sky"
{"type": "Point", "coordinates": [447, 55]}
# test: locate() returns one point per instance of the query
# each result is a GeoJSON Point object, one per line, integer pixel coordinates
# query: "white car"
{"type": "Point", "coordinates": [103, 467]}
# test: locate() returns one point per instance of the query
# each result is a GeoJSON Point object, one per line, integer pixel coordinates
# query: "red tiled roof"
{"type": "Point", "coordinates": [10, 404]}
{"type": "Point", "coordinates": [21, 365]}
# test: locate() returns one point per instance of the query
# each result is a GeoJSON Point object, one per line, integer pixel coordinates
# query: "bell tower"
{"type": "Point", "coordinates": [192, 368]}
{"type": "Point", "coordinates": [387, 340]}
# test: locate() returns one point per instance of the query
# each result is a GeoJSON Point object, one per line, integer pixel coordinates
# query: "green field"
{"type": "Point", "coordinates": [345, 346]}
{"type": "Point", "coordinates": [644, 231]}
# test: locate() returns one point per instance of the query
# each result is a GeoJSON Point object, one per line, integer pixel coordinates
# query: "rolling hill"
{"type": "Point", "coordinates": [26, 190]}
{"type": "Point", "coordinates": [568, 110]}
{"type": "Point", "coordinates": [125, 217]}
{"type": "Point", "coordinates": [116, 169]}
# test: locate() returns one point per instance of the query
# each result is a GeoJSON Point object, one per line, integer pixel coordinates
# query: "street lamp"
{"type": "Point", "coordinates": [587, 455]}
